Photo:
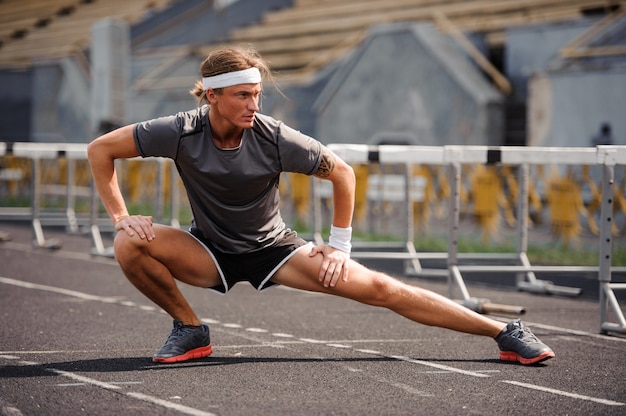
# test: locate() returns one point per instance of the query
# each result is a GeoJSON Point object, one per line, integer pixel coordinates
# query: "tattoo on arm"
{"type": "Point", "coordinates": [327, 165]}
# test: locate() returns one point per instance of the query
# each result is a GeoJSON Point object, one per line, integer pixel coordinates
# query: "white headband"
{"type": "Point", "coordinates": [246, 76]}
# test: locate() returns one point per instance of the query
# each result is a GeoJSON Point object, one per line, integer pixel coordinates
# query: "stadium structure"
{"type": "Point", "coordinates": [433, 72]}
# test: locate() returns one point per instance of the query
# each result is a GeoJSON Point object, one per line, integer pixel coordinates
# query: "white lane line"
{"type": "Point", "coordinates": [280, 344]}
{"type": "Point", "coordinates": [169, 405]}
{"type": "Point", "coordinates": [425, 363]}
{"type": "Point", "coordinates": [564, 393]}
{"type": "Point", "coordinates": [440, 366]}
{"type": "Point", "coordinates": [407, 388]}
{"type": "Point", "coordinates": [47, 288]}
{"type": "Point", "coordinates": [73, 293]}
{"type": "Point", "coordinates": [312, 341]}
{"type": "Point", "coordinates": [83, 379]}
{"type": "Point", "coordinates": [282, 335]}
{"type": "Point", "coordinates": [338, 345]}
{"type": "Point", "coordinates": [110, 386]}
{"type": "Point", "coordinates": [72, 255]}
{"type": "Point", "coordinates": [365, 351]}
{"type": "Point", "coordinates": [7, 409]}
{"type": "Point", "coordinates": [258, 330]}
{"type": "Point", "coordinates": [576, 332]}
{"type": "Point", "coordinates": [9, 357]}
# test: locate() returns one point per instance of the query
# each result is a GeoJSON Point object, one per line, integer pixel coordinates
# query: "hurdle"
{"type": "Point", "coordinates": [36, 152]}
{"type": "Point", "coordinates": [453, 157]}
{"type": "Point", "coordinates": [165, 167]}
{"type": "Point", "coordinates": [39, 218]}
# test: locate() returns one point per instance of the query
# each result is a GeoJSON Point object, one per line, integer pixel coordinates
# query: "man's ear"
{"type": "Point", "coordinates": [210, 95]}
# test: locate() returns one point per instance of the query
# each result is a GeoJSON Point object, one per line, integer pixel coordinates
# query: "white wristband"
{"type": "Point", "coordinates": [340, 238]}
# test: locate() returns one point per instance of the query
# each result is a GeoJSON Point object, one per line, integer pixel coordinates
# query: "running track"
{"type": "Point", "coordinates": [76, 338]}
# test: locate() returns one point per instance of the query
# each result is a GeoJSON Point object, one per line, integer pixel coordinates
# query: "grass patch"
{"type": "Point", "coordinates": [538, 253]}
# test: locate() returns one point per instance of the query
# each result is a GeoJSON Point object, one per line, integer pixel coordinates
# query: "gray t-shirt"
{"type": "Point", "coordinates": [233, 193]}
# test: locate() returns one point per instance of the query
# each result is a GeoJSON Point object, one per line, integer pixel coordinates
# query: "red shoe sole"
{"type": "Point", "coordinates": [513, 356]}
{"type": "Point", "coordinates": [189, 355]}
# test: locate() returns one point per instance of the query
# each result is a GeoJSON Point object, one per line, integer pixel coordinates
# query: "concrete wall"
{"type": "Point", "coordinates": [570, 98]}
{"type": "Point", "coordinates": [15, 105]}
{"type": "Point", "coordinates": [566, 108]}
{"type": "Point", "coordinates": [409, 83]}
{"type": "Point", "coordinates": [61, 103]}
{"type": "Point", "coordinates": [535, 48]}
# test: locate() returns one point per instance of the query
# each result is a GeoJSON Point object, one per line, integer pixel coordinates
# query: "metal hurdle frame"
{"type": "Point", "coordinates": [37, 152]}
{"type": "Point", "coordinates": [609, 156]}
{"type": "Point", "coordinates": [454, 157]}
{"type": "Point", "coordinates": [164, 167]}
{"type": "Point", "coordinates": [77, 151]}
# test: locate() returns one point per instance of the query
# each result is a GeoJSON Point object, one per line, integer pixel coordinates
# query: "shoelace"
{"type": "Point", "coordinates": [524, 333]}
{"type": "Point", "coordinates": [178, 332]}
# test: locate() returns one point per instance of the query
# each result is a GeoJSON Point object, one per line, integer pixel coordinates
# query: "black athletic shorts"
{"type": "Point", "coordinates": [257, 267]}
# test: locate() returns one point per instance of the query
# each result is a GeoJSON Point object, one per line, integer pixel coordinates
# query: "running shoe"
{"type": "Point", "coordinates": [185, 342]}
{"type": "Point", "coordinates": [518, 343]}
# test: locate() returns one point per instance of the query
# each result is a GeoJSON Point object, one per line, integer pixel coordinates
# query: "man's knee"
{"type": "Point", "coordinates": [126, 247]}
{"type": "Point", "coordinates": [380, 288]}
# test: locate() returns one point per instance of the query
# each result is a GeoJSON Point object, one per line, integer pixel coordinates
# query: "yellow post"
{"type": "Point", "coordinates": [594, 203]}
{"type": "Point", "coordinates": [361, 171]}
{"type": "Point", "coordinates": [566, 203]}
{"type": "Point", "coordinates": [421, 209]}
{"type": "Point", "coordinates": [133, 179]}
{"type": "Point", "coordinates": [443, 191]}
{"type": "Point", "coordinates": [486, 193]}
{"type": "Point", "coordinates": [22, 179]}
{"type": "Point", "coordinates": [300, 194]}
{"type": "Point", "coordinates": [511, 200]}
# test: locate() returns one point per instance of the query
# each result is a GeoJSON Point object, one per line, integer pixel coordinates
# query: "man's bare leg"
{"type": "Point", "coordinates": [154, 266]}
{"type": "Point", "coordinates": [378, 289]}
{"type": "Point", "coordinates": [515, 341]}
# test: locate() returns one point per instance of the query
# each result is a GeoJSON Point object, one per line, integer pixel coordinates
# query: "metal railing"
{"type": "Point", "coordinates": [93, 221]}
{"type": "Point", "coordinates": [453, 157]}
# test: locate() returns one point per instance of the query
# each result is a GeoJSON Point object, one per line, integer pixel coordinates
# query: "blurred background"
{"type": "Point", "coordinates": [421, 72]}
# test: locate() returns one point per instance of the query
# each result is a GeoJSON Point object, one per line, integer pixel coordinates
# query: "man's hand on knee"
{"type": "Point", "coordinates": [334, 265]}
{"type": "Point", "coordinates": [140, 224]}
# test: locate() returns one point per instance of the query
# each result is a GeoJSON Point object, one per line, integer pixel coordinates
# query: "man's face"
{"type": "Point", "coordinates": [237, 104]}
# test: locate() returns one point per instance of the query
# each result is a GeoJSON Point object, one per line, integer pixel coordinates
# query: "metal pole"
{"type": "Point", "coordinates": [453, 230]}
{"type": "Point", "coordinates": [408, 207]}
{"type": "Point", "coordinates": [522, 224]}
{"type": "Point", "coordinates": [159, 194]}
{"type": "Point", "coordinates": [317, 211]}
{"type": "Point", "coordinates": [522, 209]}
{"type": "Point", "coordinates": [413, 264]}
{"type": "Point", "coordinates": [604, 261]}
{"type": "Point", "coordinates": [70, 203]}
{"type": "Point", "coordinates": [39, 239]}
{"type": "Point", "coordinates": [174, 196]}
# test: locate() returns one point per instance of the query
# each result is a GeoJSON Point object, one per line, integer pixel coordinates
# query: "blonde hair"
{"type": "Point", "coordinates": [226, 60]}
